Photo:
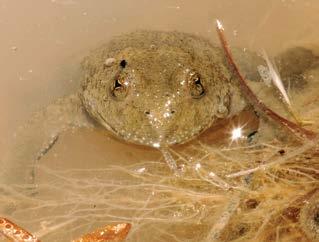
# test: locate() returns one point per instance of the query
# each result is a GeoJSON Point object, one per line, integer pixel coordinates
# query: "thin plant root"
{"type": "Point", "coordinates": [219, 226]}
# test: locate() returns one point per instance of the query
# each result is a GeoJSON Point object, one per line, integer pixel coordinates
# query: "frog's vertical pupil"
{"type": "Point", "coordinates": [197, 81]}
{"type": "Point", "coordinates": [123, 63]}
{"type": "Point", "coordinates": [117, 84]}
{"type": "Point", "coordinates": [196, 88]}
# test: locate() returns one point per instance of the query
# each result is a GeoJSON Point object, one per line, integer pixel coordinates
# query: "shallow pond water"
{"type": "Point", "coordinates": [89, 179]}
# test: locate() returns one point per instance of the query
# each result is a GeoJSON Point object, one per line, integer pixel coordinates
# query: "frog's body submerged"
{"type": "Point", "coordinates": [148, 87]}
{"type": "Point", "coordinates": [158, 88]}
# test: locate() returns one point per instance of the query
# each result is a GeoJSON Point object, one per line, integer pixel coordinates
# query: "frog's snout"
{"type": "Point", "coordinates": [166, 114]}
{"type": "Point", "coordinates": [160, 119]}
{"type": "Point", "coordinates": [162, 125]}
{"type": "Point", "coordinates": [161, 111]}
{"type": "Point", "coordinates": [161, 114]}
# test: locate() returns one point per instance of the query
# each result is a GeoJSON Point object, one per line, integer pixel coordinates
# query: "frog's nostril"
{"type": "Point", "coordinates": [147, 112]}
{"type": "Point", "coordinates": [173, 111]}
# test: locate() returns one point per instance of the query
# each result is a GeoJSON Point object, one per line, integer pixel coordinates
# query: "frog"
{"type": "Point", "coordinates": [151, 88]}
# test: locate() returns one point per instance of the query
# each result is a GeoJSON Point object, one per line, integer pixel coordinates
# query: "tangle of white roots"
{"type": "Point", "coordinates": [239, 193]}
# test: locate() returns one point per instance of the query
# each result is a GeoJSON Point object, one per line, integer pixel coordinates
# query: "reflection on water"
{"type": "Point", "coordinates": [240, 192]}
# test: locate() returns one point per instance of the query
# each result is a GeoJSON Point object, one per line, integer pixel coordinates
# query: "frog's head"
{"type": "Point", "coordinates": [155, 93]}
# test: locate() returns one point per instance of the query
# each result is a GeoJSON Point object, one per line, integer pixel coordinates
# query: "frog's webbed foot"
{"type": "Point", "coordinates": [35, 138]}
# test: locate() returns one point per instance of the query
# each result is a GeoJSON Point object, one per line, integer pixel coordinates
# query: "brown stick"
{"type": "Point", "coordinates": [109, 233]}
{"type": "Point", "coordinates": [14, 232]}
{"type": "Point", "coordinates": [292, 127]}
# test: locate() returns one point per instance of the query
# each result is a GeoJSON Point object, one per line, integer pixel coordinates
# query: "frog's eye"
{"type": "Point", "coordinates": [195, 86]}
{"type": "Point", "coordinates": [123, 63]}
{"type": "Point", "coordinates": [119, 89]}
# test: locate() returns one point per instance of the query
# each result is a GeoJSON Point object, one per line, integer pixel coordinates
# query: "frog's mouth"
{"type": "Point", "coordinates": [163, 136]}
{"type": "Point", "coordinates": [159, 137]}
{"type": "Point", "coordinates": [157, 132]}
{"type": "Point", "coordinates": [105, 124]}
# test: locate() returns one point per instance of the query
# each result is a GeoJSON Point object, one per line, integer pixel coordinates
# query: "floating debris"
{"type": "Point", "coordinates": [109, 62]}
{"type": "Point", "coordinates": [276, 80]}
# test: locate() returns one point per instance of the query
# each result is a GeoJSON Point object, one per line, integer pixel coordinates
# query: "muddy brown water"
{"type": "Point", "coordinates": [43, 41]}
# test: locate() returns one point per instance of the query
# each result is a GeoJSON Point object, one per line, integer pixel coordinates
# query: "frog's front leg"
{"type": "Point", "coordinates": [35, 138]}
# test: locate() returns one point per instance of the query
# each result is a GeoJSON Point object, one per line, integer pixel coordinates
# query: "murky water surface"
{"type": "Point", "coordinates": [89, 179]}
